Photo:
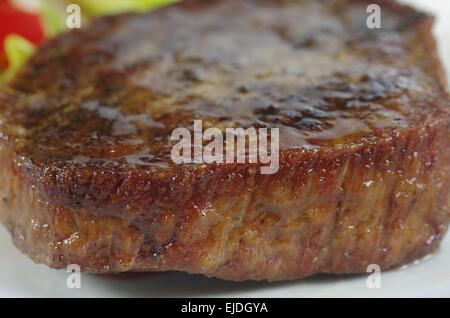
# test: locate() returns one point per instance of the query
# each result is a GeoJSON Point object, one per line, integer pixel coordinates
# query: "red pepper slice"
{"type": "Point", "coordinates": [13, 20]}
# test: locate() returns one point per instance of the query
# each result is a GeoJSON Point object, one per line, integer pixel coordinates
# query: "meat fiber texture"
{"type": "Point", "coordinates": [87, 178]}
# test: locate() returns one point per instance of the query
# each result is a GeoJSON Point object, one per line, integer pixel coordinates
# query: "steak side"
{"type": "Point", "coordinates": [86, 175]}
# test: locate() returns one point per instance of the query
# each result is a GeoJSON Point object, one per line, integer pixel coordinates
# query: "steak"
{"type": "Point", "coordinates": [363, 117]}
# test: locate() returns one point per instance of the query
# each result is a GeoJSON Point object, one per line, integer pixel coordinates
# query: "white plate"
{"type": "Point", "coordinates": [20, 277]}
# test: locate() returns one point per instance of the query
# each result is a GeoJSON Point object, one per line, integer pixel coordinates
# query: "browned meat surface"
{"type": "Point", "coordinates": [364, 118]}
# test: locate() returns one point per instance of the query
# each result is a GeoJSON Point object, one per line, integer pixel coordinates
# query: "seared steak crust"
{"type": "Point", "coordinates": [364, 127]}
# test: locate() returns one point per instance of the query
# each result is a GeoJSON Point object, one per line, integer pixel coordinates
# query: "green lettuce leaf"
{"type": "Point", "coordinates": [17, 50]}
{"type": "Point", "coordinates": [95, 8]}
{"type": "Point", "coordinates": [52, 18]}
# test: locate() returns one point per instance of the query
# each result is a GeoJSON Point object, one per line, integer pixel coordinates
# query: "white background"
{"type": "Point", "coordinates": [429, 278]}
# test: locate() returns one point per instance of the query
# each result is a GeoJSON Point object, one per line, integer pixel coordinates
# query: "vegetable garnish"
{"type": "Point", "coordinates": [20, 31]}
{"type": "Point", "coordinates": [17, 51]}
{"type": "Point", "coordinates": [52, 18]}
{"type": "Point", "coordinates": [96, 8]}
{"type": "Point", "coordinates": [25, 24]}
